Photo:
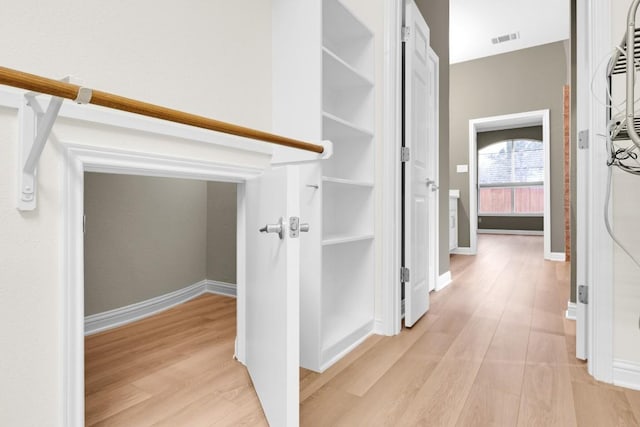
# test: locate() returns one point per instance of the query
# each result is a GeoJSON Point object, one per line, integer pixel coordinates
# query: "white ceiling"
{"type": "Point", "coordinates": [473, 23]}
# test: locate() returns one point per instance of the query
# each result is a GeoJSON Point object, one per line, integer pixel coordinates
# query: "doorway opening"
{"type": "Point", "coordinates": [532, 120]}
{"type": "Point", "coordinates": [160, 275]}
{"type": "Point", "coordinates": [153, 242]}
{"type": "Point", "coordinates": [82, 159]}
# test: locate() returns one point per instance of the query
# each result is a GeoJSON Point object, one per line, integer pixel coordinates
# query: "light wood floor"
{"type": "Point", "coordinates": [173, 369]}
{"type": "Point", "coordinates": [494, 350]}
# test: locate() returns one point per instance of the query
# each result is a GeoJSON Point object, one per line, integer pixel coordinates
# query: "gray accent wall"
{"type": "Point", "coordinates": [149, 236]}
{"type": "Point", "coordinates": [221, 231]}
{"type": "Point", "coordinates": [436, 13]}
{"type": "Point", "coordinates": [145, 236]}
{"type": "Point", "coordinates": [514, 82]}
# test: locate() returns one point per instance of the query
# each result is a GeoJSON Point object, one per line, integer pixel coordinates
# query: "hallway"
{"type": "Point", "coordinates": [494, 349]}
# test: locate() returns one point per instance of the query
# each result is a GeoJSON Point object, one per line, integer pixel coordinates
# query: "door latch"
{"type": "Point", "coordinates": [295, 227]}
{"type": "Point", "coordinates": [275, 228]}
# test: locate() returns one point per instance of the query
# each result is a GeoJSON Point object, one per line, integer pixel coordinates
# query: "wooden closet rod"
{"type": "Point", "coordinates": [34, 83]}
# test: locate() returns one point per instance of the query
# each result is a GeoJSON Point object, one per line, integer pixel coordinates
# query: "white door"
{"type": "Point", "coordinates": [432, 169]}
{"type": "Point", "coordinates": [417, 189]}
{"type": "Point", "coordinates": [272, 293]}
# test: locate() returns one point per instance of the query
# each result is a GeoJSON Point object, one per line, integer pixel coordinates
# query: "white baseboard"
{"type": "Point", "coordinates": [626, 374]}
{"type": "Point", "coordinates": [462, 251]}
{"type": "Point", "coordinates": [443, 281]}
{"type": "Point", "coordinates": [221, 288]}
{"type": "Point", "coordinates": [556, 256]}
{"type": "Point", "coordinates": [571, 310]}
{"type": "Point", "coordinates": [378, 327]}
{"type": "Point", "coordinates": [516, 232]}
{"type": "Point", "coordinates": [121, 316]}
{"type": "Point", "coordinates": [343, 347]}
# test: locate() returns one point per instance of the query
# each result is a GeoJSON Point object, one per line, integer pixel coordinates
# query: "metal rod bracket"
{"type": "Point", "coordinates": [84, 95]}
{"type": "Point", "coordinates": [35, 128]}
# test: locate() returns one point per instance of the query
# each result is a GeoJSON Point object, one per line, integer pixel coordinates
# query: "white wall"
{"type": "Point", "coordinates": [207, 57]}
{"type": "Point", "coordinates": [211, 58]}
{"type": "Point", "coordinates": [626, 213]}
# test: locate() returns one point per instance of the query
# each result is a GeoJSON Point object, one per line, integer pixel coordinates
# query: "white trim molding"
{"type": "Point", "coordinates": [594, 248]}
{"type": "Point", "coordinates": [434, 208]}
{"type": "Point", "coordinates": [221, 288]}
{"type": "Point", "coordinates": [582, 91]}
{"type": "Point", "coordinates": [571, 311]}
{"type": "Point", "coordinates": [391, 178]}
{"type": "Point", "coordinates": [123, 315]}
{"type": "Point", "coordinates": [513, 232]}
{"type": "Point", "coordinates": [557, 257]}
{"type": "Point", "coordinates": [335, 353]}
{"type": "Point", "coordinates": [443, 281]}
{"type": "Point", "coordinates": [150, 125]}
{"type": "Point", "coordinates": [626, 374]}
{"type": "Point", "coordinates": [378, 327]}
{"type": "Point", "coordinates": [463, 251]}
{"type": "Point", "coordinates": [77, 160]}
{"type": "Point", "coordinates": [509, 121]}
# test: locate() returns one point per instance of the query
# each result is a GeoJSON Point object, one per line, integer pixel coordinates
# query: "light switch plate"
{"type": "Point", "coordinates": [462, 168]}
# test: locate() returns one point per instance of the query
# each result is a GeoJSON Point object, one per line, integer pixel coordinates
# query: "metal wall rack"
{"type": "Point", "coordinates": [619, 130]}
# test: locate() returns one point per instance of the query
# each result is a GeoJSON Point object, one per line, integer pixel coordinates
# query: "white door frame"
{"type": "Point", "coordinates": [390, 322]}
{"type": "Point", "coordinates": [78, 160]}
{"type": "Point", "coordinates": [510, 121]}
{"type": "Point", "coordinates": [594, 337]}
{"type": "Point", "coordinates": [434, 209]}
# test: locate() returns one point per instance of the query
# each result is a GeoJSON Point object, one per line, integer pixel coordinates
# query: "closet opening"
{"type": "Point", "coordinates": [160, 315]}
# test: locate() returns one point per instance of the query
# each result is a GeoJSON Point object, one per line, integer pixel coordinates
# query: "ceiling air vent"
{"type": "Point", "coordinates": [505, 38]}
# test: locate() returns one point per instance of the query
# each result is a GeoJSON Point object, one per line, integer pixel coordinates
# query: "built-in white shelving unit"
{"type": "Point", "coordinates": [348, 181]}
{"type": "Point", "coordinates": [324, 90]}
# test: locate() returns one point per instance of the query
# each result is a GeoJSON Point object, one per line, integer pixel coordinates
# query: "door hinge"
{"type": "Point", "coordinates": [583, 139]}
{"type": "Point", "coordinates": [405, 274]}
{"type": "Point", "coordinates": [84, 224]}
{"type": "Point", "coordinates": [405, 154]}
{"type": "Point", "coordinates": [406, 32]}
{"type": "Point", "coordinates": [583, 294]}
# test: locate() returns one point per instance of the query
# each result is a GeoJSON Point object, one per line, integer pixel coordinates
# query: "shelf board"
{"type": "Point", "coordinates": [333, 124]}
{"type": "Point", "coordinates": [351, 182]}
{"type": "Point", "coordinates": [340, 71]}
{"type": "Point", "coordinates": [337, 75]}
{"type": "Point", "coordinates": [341, 24]}
{"type": "Point", "coordinates": [338, 240]}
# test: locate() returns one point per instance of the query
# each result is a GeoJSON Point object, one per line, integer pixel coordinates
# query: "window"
{"type": "Point", "coordinates": [510, 177]}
